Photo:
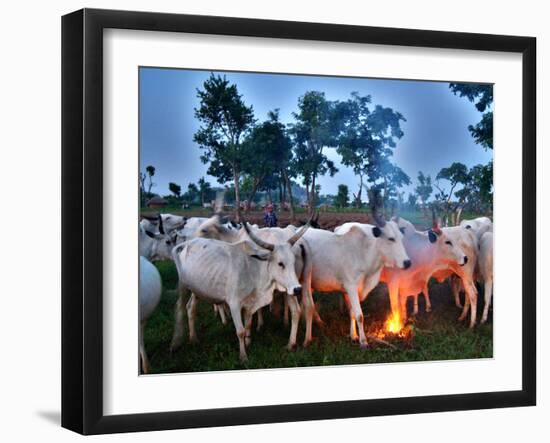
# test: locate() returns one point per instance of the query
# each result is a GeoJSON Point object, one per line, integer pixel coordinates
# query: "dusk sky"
{"type": "Point", "coordinates": [436, 130]}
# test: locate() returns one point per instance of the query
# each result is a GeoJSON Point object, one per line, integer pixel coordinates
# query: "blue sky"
{"type": "Point", "coordinates": [436, 131]}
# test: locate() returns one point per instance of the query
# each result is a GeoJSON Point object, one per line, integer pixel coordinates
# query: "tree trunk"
{"type": "Point", "coordinates": [253, 193]}
{"type": "Point", "coordinates": [312, 205]}
{"type": "Point", "coordinates": [358, 202]}
{"type": "Point", "coordinates": [237, 196]}
{"type": "Point", "coordinates": [290, 202]}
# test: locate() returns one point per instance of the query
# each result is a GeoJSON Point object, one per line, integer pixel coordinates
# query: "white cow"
{"type": "Point", "coordinates": [485, 270]}
{"type": "Point", "coordinates": [240, 275]}
{"type": "Point", "coordinates": [427, 250]}
{"type": "Point", "coordinates": [213, 228]}
{"type": "Point", "coordinates": [162, 223]}
{"type": "Point", "coordinates": [150, 288]}
{"type": "Point", "coordinates": [479, 226]}
{"type": "Point", "coordinates": [350, 261]}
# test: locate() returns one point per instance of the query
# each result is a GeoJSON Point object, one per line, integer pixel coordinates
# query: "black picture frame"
{"type": "Point", "coordinates": [82, 218]}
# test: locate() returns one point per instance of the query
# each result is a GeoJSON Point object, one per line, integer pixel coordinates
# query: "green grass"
{"type": "Point", "coordinates": [437, 336]}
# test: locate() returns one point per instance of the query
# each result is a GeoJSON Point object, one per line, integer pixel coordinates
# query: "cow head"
{"type": "Point", "coordinates": [389, 242]}
{"type": "Point", "coordinates": [281, 260]}
{"type": "Point", "coordinates": [447, 243]}
{"type": "Point", "coordinates": [161, 248]}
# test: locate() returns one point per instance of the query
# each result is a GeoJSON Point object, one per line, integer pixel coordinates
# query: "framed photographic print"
{"type": "Point", "coordinates": [269, 221]}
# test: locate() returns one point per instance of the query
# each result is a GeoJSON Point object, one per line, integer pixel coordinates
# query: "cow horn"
{"type": "Point", "coordinates": [435, 222]}
{"type": "Point", "coordinates": [299, 234]}
{"type": "Point", "coordinates": [150, 217]}
{"type": "Point", "coordinates": [380, 222]}
{"type": "Point", "coordinates": [161, 227]}
{"type": "Point", "coordinates": [258, 241]}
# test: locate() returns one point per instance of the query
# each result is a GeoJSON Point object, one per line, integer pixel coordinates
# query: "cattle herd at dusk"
{"type": "Point", "coordinates": [243, 272]}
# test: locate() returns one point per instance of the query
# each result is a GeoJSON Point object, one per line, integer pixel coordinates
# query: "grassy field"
{"type": "Point", "coordinates": [435, 336]}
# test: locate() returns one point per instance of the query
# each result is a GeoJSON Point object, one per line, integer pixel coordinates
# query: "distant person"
{"type": "Point", "coordinates": [270, 219]}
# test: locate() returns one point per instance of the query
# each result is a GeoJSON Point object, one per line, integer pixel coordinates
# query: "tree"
{"type": "Point", "coordinates": [175, 189]}
{"type": "Point", "coordinates": [225, 120]}
{"type": "Point", "coordinates": [482, 97]}
{"type": "Point", "coordinates": [411, 202]}
{"type": "Point", "coordinates": [205, 190]}
{"type": "Point", "coordinates": [342, 198]}
{"type": "Point", "coordinates": [366, 140]}
{"type": "Point", "coordinates": [456, 174]}
{"type": "Point", "coordinates": [313, 130]}
{"type": "Point", "coordinates": [424, 188]}
{"type": "Point", "coordinates": [192, 194]}
{"type": "Point", "coordinates": [269, 151]}
{"type": "Point", "coordinates": [150, 173]}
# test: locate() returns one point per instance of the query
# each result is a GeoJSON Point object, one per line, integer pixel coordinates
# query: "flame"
{"type": "Point", "coordinates": [394, 325]}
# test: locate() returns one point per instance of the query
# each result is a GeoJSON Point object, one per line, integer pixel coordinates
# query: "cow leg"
{"type": "Point", "coordinates": [356, 313]}
{"type": "Point", "coordinates": [295, 312]}
{"type": "Point", "coordinates": [191, 316]}
{"type": "Point", "coordinates": [177, 336]}
{"type": "Point", "coordinates": [341, 304]}
{"type": "Point", "coordinates": [221, 310]}
{"type": "Point", "coordinates": [427, 298]}
{"type": "Point", "coordinates": [471, 302]}
{"type": "Point", "coordinates": [248, 326]}
{"type": "Point", "coordinates": [286, 312]}
{"type": "Point", "coordinates": [455, 287]}
{"type": "Point", "coordinates": [260, 318]}
{"type": "Point", "coordinates": [465, 308]}
{"type": "Point", "coordinates": [352, 330]}
{"type": "Point", "coordinates": [488, 293]}
{"type": "Point", "coordinates": [239, 329]}
{"type": "Point", "coordinates": [309, 311]}
{"type": "Point", "coordinates": [144, 360]}
{"type": "Point", "coordinates": [415, 305]}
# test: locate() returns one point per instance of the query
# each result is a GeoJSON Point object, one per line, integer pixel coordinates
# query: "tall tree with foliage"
{"type": "Point", "coordinates": [456, 174]}
{"type": "Point", "coordinates": [366, 141]}
{"type": "Point", "coordinates": [342, 198]}
{"type": "Point", "coordinates": [482, 97]}
{"type": "Point", "coordinates": [225, 120]}
{"type": "Point", "coordinates": [314, 130]}
{"type": "Point", "coordinates": [150, 174]}
{"type": "Point", "coordinates": [424, 188]}
{"type": "Point", "coordinates": [175, 189]}
{"type": "Point", "coordinates": [205, 190]}
{"type": "Point", "coordinates": [269, 151]}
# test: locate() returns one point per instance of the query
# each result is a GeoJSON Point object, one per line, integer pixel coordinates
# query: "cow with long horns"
{"type": "Point", "coordinates": [215, 229]}
{"type": "Point", "coordinates": [242, 275]}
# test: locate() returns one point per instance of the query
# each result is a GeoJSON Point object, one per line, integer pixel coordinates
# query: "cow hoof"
{"type": "Point", "coordinates": [428, 309]}
{"type": "Point", "coordinates": [363, 346]}
{"type": "Point", "coordinates": [307, 343]}
{"type": "Point", "coordinates": [291, 347]}
{"type": "Point", "coordinates": [193, 340]}
{"type": "Point", "coordinates": [247, 341]}
{"type": "Point", "coordinates": [243, 359]}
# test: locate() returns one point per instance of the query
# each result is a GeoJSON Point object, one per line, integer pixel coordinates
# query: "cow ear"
{"type": "Point", "coordinates": [402, 230]}
{"type": "Point", "coordinates": [251, 249]}
{"type": "Point", "coordinates": [432, 236]}
{"type": "Point", "coordinates": [376, 231]}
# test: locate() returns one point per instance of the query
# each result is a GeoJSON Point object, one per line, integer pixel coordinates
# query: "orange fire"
{"type": "Point", "coordinates": [394, 325]}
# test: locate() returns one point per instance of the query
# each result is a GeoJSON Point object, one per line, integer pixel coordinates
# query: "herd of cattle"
{"type": "Point", "coordinates": [239, 269]}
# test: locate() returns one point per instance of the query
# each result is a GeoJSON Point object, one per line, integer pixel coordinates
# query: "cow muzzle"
{"type": "Point", "coordinates": [297, 291]}
{"type": "Point", "coordinates": [407, 264]}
